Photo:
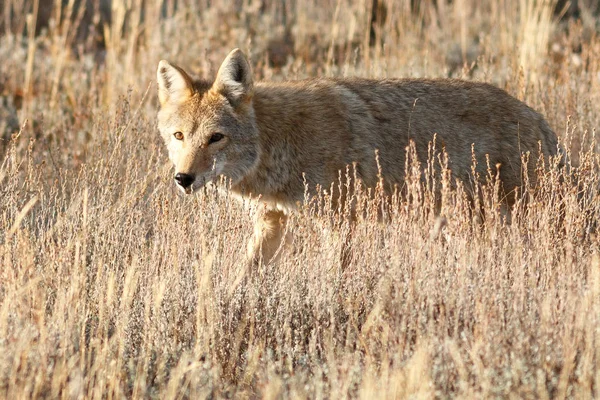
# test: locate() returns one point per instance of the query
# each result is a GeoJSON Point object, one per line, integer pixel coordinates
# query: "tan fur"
{"type": "Point", "coordinates": [276, 132]}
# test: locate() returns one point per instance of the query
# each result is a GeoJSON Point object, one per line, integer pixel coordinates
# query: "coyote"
{"type": "Point", "coordinates": [274, 140]}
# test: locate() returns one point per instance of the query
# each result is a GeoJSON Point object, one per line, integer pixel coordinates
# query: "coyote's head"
{"type": "Point", "coordinates": [209, 129]}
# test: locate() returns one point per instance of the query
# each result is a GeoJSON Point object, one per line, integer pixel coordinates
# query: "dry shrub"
{"type": "Point", "coordinates": [111, 284]}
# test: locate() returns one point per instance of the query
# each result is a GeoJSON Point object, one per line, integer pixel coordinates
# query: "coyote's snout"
{"type": "Point", "coordinates": [272, 139]}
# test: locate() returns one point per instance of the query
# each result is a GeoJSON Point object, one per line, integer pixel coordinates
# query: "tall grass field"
{"type": "Point", "coordinates": [114, 285]}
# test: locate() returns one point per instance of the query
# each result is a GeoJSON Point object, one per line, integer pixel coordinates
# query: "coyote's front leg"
{"type": "Point", "coordinates": [269, 232]}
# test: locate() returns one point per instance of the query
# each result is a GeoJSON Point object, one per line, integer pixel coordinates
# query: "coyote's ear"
{"type": "Point", "coordinates": [234, 79]}
{"type": "Point", "coordinates": [174, 85]}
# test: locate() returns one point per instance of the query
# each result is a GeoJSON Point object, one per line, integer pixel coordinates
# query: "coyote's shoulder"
{"type": "Point", "coordinates": [278, 139]}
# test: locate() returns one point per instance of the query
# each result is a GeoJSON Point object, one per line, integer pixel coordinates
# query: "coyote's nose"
{"type": "Point", "coordinates": [184, 180]}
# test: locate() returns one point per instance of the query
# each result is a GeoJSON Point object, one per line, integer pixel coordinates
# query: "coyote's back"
{"type": "Point", "coordinates": [275, 139]}
{"type": "Point", "coordinates": [325, 125]}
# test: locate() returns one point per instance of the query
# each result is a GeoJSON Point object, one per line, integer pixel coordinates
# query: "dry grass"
{"type": "Point", "coordinates": [112, 285]}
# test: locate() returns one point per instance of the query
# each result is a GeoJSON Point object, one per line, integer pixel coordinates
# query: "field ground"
{"type": "Point", "coordinates": [113, 285]}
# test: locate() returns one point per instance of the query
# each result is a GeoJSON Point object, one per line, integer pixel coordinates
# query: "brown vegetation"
{"type": "Point", "coordinates": [111, 284]}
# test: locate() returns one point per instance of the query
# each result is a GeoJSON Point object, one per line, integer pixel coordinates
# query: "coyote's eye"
{"type": "Point", "coordinates": [215, 137]}
{"type": "Point", "coordinates": [178, 135]}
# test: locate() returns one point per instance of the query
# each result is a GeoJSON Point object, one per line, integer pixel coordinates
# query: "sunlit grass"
{"type": "Point", "coordinates": [114, 285]}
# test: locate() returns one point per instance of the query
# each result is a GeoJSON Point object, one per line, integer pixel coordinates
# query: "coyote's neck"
{"type": "Point", "coordinates": [276, 178]}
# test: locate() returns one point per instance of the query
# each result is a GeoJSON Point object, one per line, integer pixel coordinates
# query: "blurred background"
{"type": "Point", "coordinates": [59, 55]}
